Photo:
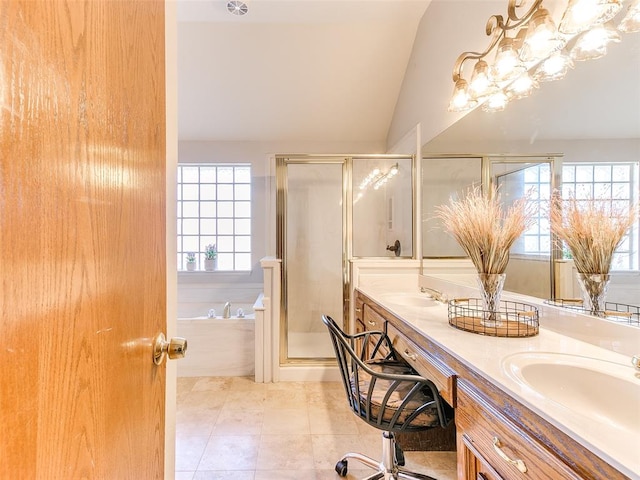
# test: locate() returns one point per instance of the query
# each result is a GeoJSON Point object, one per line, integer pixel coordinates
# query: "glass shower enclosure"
{"type": "Point", "coordinates": [325, 216]}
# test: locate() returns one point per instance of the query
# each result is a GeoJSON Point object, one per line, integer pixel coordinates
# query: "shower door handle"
{"type": "Point", "coordinates": [174, 348]}
{"type": "Point", "coordinates": [396, 247]}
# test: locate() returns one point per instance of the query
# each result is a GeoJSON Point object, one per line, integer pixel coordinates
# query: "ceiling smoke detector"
{"type": "Point", "coordinates": [237, 7]}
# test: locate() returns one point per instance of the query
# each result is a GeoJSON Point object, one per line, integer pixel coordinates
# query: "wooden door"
{"type": "Point", "coordinates": [82, 238]}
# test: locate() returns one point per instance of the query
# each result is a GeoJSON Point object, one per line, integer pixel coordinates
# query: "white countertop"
{"type": "Point", "coordinates": [617, 445]}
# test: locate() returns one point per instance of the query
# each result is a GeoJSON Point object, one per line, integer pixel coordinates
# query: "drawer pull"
{"type": "Point", "coordinates": [412, 356]}
{"type": "Point", "coordinates": [358, 310]}
{"type": "Point", "coordinates": [371, 323]}
{"type": "Point", "coordinates": [519, 464]}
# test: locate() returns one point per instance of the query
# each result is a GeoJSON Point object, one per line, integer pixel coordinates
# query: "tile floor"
{"type": "Point", "coordinates": [230, 428]}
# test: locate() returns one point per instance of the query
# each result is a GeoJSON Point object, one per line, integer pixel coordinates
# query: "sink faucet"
{"type": "Point", "coordinates": [635, 361]}
{"type": "Point", "coordinates": [226, 313]}
{"type": "Point", "coordinates": [437, 295]}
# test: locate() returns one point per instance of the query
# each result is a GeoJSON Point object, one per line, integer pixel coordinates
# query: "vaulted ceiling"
{"type": "Point", "coordinates": [292, 70]}
{"type": "Point", "coordinates": [325, 70]}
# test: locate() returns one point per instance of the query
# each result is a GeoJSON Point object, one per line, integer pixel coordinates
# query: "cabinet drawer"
{"type": "Point", "coordinates": [426, 365]}
{"type": "Point", "coordinates": [373, 320]}
{"type": "Point", "coordinates": [511, 452]}
{"type": "Point", "coordinates": [358, 315]}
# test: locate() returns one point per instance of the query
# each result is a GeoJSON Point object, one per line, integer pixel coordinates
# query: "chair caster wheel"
{"type": "Point", "coordinates": [341, 468]}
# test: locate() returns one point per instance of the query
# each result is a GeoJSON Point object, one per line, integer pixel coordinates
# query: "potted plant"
{"type": "Point", "coordinates": [486, 231]}
{"type": "Point", "coordinates": [592, 229]}
{"type": "Point", "coordinates": [210, 258]}
{"type": "Point", "coordinates": [191, 261]}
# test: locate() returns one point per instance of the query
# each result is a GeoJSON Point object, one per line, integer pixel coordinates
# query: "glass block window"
{"type": "Point", "coordinates": [214, 208]}
{"type": "Point", "coordinates": [615, 184]}
{"type": "Point", "coordinates": [537, 182]}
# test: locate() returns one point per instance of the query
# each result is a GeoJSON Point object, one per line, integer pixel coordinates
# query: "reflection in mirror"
{"type": "Point", "coordinates": [444, 178]}
{"type": "Point", "coordinates": [530, 270]}
{"type": "Point", "coordinates": [382, 206]}
{"type": "Point", "coordinates": [592, 118]}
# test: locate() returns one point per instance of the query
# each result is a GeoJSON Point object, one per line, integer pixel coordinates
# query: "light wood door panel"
{"type": "Point", "coordinates": [82, 238]}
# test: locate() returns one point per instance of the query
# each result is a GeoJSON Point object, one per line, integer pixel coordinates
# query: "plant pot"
{"type": "Point", "coordinates": [594, 290]}
{"type": "Point", "coordinates": [210, 264]}
{"type": "Point", "coordinates": [191, 266]}
{"type": "Point", "coordinates": [491, 285]}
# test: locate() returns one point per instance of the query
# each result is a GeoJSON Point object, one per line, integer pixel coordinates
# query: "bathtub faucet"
{"type": "Point", "coordinates": [226, 313]}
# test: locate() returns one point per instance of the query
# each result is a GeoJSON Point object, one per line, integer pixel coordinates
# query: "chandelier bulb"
{"type": "Point", "coordinates": [461, 101]}
{"type": "Point", "coordinates": [507, 65]}
{"type": "Point", "coordinates": [593, 43]}
{"type": "Point", "coordinates": [496, 102]}
{"type": "Point", "coordinates": [581, 15]}
{"type": "Point", "coordinates": [631, 21]}
{"type": "Point", "coordinates": [553, 68]}
{"type": "Point", "coordinates": [541, 37]}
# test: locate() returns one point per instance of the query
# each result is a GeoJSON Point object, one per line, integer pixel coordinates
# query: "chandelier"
{"type": "Point", "coordinates": [527, 49]}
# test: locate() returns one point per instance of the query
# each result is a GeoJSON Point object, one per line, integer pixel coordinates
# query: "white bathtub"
{"type": "Point", "coordinates": [217, 346]}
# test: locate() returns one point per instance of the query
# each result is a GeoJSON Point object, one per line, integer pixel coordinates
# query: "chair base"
{"type": "Point", "coordinates": [387, 469]}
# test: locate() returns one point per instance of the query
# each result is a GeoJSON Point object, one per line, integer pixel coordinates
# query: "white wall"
{"type": "Point", "coordinates": [427, 83]}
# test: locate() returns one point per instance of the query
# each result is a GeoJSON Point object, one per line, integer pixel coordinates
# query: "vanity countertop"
{"type": "Point", "coordinates": [614, 442]}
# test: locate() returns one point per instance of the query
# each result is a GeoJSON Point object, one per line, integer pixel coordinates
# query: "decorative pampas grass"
{"type": "Point", "coordinates": [592, 229]}
{"type": "Point", "coordinates": [483, 229]}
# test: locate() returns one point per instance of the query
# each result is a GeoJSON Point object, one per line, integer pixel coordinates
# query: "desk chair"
{"type": "Point", "coordinates": [388, 394]}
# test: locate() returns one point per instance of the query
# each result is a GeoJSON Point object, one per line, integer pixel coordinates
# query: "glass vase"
{"type": "Point", "coordinates": [491, 285]}
{"type": "Point", "coordinates": [594, 290]}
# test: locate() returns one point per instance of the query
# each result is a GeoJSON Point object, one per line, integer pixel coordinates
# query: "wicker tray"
{"type": "Point", "coordinates": [617, 312]}
{"type": "Point", "coordinates": [515, 319]}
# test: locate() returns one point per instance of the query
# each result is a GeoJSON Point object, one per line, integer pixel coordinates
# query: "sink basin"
{"type": "Point", "coordinates": [409, 299]}
{"type": "Point", "coordinates": [599, 390]}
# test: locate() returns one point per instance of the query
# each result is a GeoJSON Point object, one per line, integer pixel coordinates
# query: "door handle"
{"type": "Point", "coordinates": [174, 348]}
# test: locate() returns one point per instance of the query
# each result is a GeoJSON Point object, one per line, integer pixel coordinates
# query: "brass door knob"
{"type": "Point", "coordinates": [175, 348]}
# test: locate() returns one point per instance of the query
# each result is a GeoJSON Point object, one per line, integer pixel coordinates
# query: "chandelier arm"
{"type": "Point", "coordinates": [514, 21]}
{"type": "Point", "coordinates": [495, 28]}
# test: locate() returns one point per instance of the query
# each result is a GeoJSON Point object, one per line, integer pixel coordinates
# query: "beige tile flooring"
{"type": "Point", "coordinates": [231, 428]}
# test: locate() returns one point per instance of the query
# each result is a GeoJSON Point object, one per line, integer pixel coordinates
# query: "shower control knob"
{"type": "Point", "coordinates": [174, 348]}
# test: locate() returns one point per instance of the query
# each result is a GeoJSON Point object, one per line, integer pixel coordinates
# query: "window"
{"type": "Point", "coordinates": [537, 182]}
{"type": "Point", "coordinates": [214, 208]}
{"type": "Point", "coordinates": [610, 182]}
{"type": "Point", "coordinates": [614, 183]}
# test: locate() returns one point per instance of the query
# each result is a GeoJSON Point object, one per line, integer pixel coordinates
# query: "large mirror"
{"type": "Point", "coordinates": [530, 268]}
{"type": "Point", "coordinates": [590, 117]}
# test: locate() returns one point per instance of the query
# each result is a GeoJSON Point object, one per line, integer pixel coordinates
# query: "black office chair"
{"type": "Point", "coordinates": [388, 394]}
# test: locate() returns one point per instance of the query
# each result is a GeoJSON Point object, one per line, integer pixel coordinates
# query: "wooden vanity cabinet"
{"type": "Point", "coordinates": [358, 324]}
{"type": "Point", "coordinates": [368, 319]}
{"type": "Point", "coordinates": [497, 437]}
{"type": "Point", "coordinates": [424, 363]}
{"type": "Point", "coordinates": [491, 444]}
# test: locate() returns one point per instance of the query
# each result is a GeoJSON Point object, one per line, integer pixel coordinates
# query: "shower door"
{"type": "Point", "coordinates": [312, 246]}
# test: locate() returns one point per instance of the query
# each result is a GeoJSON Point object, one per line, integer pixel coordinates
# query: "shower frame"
{"type": "Point", "coordinates": [346, 160]}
